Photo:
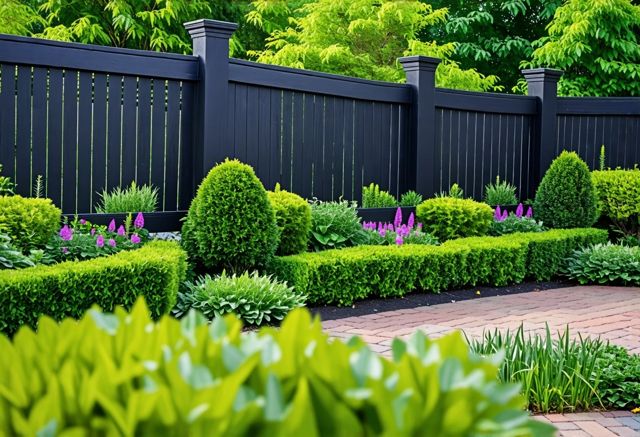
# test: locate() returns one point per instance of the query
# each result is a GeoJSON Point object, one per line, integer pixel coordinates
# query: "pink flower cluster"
{"type": "Point", "coordinates": [401, 230]}
{"type": "Point", "coordinates": [500, 215]}
{"type": "Point", "coordinates": [66, 232]}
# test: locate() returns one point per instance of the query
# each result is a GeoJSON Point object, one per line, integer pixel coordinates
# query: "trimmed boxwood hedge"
{"type": "Point", "coordinates": [68, 289]}
{"type": "Point", "coordinates": [344, 276]}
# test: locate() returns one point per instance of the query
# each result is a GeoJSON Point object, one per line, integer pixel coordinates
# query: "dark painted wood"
{"type": "Point", "coordinates": [159, 136]}
{"type": "Point", "coordinates": [275, 136]}
{"type": "Point", "coordinates": [99, 136]}
{"type": "Point", "coordinates": [39, 117]}
{"type": "Point", "coordinates": [485, 102]}
{"type": "Point", "coordinates": [129, 130]}
{"type": "Point", "coordinates": [84, 189]}
{"type": "Point", "coordinates": [263, 143]}
{"type": "Point", "coordinates": [186, 184]}
{"type": "Point", "coordinates": [348, 181]}
{"type": "Point", "coordinates": [53, 177]}
{"type": "Point", "coordinates": [48, 53]}
{"type": "Point", "coordinates": [70, 141]}
{"type": "Point", "coordinates": [23, 134]}
{"type": "Point", "coordinates": [334, 152]}
{"type": "Point", "coordinates": [598, 106]}
{"type": "Point", "coordinates": [7, 119]}
{"type": "Point", "coordinates": [114, 140]}
{"type": "Point", "coordinates": [315, 82]}
{"type": "Point", "coordinates": [287, 139]}
{"type": "Point", "coordinates": [143, 149]}
{"type": "Point", "coordinates": [172, 148]}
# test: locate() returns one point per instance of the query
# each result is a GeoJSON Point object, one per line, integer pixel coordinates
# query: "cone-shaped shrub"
{"type": "Point", "coordinates": [566, 197]}
{"type": "Point", "coordinates": [230, 224]}
{"type": "Point", "coordinates": [293, 217]}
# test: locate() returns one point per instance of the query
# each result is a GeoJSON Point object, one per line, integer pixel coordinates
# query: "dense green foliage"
{"type": "Point", "coordinates": [335, 225]}
{"type": "Point", "coordinates": [448, 217]}
{"type": "Point", "coordinates": [566, 196]}
{"type": "Point", "coordinates": [231, 224]}
{"type": "Point", "coordinates": [513, 224]}
{"type": "Point", "coordinates": [68, 289]}
{"type": "Point", "coordinates": [29, 222]}
{"type": "Point", "coordinates": [364, 38]}
{"type": "Point", "coordinates": [494, 36]}
{"type": "Point", "coordinates": [131, 199]}
{"type": "Point", "coordinates": [293, 217]}
{"type": "Point", "coordinates": [374, 197]}
{"type": "Point", "coordinates": [410, 198]}
{"type": "Point", "coordinates": [190, 377]}
{"type": "Point", "coordinates": [605, 264]}
{"type": "Point", "coordinates": [346, 275]}
{"type": "Point", "coordinates": [6, 185]}
{"type": "Point", "coordinates": [500, 193]}
{"type": "Point", "coordinates": [10, 257]}
{"type": "Point", "coordinates": [253, 298]}
{"type": "Point", "coordinates": [556, 375]}
{"type": "Point", "coordinates": [619, 372]}
{"type": "Point", "coordinates": [618, 193]}
{"type": "Point", "coordinates": [596, 44]}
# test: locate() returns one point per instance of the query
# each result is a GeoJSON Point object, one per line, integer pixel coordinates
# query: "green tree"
{"type": "Point", "coordinates": [18, 17]}
{"type": "Point", "coordinates": [596, 43]}
{"type": "Point", "coordinates": [493, 36]}
{"type": "Point", "coordinates": [363, 38]}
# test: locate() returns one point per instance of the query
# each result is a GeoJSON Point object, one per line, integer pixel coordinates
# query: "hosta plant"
{"type": "Point", "coordinates": [123, 374]}
{"type": "Point", "coordinates": [605, 264]}
{"type": "Point", "coordinates": [619, 378]}
{"type": "Point", "coordinates": [10, 257]}
{"type": "Point", "coordinates": [335, 225]}
{"type": "Point", "coordinates": [254, 298]}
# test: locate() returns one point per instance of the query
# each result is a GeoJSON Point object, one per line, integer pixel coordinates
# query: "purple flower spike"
{"type": "Point", "coordinates": [382, 232]}
{"type": "Point", "coordinates": [121, 231]}
{"type": "Point", "coordinates": [100, 241]}
{"type": "Point", "coordinates": [497, 215]}
{"type": "Point", "coordinates": [83, 222]}
{"type": "Point", "coordinates": [65, 250]}
{"type": "Point", "coordinates": [112, 226]}
{"type": "Point", "coordinates": [398, 220]}
{"type": "Point", "coordinates": [399, 240]}
{"type": "Point", "coordinates": [411, 221]}
{"type": "Point", "coordinates": [112, 242]}
{"type": "Point", "coordinates": [529, 213]}
{"type": "Point", "coordinates": [135, 239]}
{"type": "Point", "coordinates": [505, 214]}
{"type": "Point", "coordinates": [66, 233]}
{"type": "Point", "coordinates": [419, 226]}
{"type": "Point", "coordinates": [93, 231]}
{"type": "Point", "coordinates": [519, 210]}
{"type": "Point", "coordinates": [139, 221]}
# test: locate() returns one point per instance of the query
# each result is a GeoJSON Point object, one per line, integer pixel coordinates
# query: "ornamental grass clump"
{"type": "Point", "coordinates": [410, 198]}
{"type": "Point", "coordinates": [255, 299]}
{"type": "Point", "coordinates": [556, 374]}
{"type": "Point", "coordinates": [398, 233]}
{"type": "Point", "coordinates": [566, 197]}
{"type": "Point", "coordinates": [293, 217]}
{"type": "Point", "coordinates": [374, 197]}
{"type": "Point", "coordinates": [500, 193]}
{"type": "Point", "coordinates": [230, 224]}
{"type": "Point", "coordinates": [131, 199]}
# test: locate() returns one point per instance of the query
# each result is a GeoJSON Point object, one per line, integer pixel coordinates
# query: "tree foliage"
{"type": "Point", "coordinates": [361, 38]}
{"type": "Point", "coordinates": [596, 43]}
{"type": "Point", "coordinates": [18, 17]}
{"type": "Point", "coordinates": [493, 36]}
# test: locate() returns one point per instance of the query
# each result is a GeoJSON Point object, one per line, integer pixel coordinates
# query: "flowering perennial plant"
{"type": "Point", "coordinates": [380, 233]}
{"type": "Point", "coordinates": [81, 239]}
{"type": "Point", "coordinates": [505, 223]}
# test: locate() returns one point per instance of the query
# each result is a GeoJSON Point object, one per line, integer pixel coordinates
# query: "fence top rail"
{"type": "Point", "coordinates": [485, 102]}
{"type": "Point", "coordinates": [598, 106]}
{"type": "Point", "coordinates": [253, 73]}
{"type": "Point", "coordinates": [46, 53]}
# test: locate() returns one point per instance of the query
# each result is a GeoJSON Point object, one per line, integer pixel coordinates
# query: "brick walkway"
{"type": "Point", "coordinates": [613, 313]}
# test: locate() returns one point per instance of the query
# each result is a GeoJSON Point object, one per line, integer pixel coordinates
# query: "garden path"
{"type": "Point", "coordinates": [613, 313]}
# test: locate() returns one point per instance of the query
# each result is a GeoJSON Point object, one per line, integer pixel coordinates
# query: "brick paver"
{"type": "Point", "coordinates": [612, 313]}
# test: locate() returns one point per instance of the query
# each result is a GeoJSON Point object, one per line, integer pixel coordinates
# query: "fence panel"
{"type": "Point", "coordinates": [316, 134]}
{"type": "Point", "coordinates": [586, 124]}
{"type": "Point", "coordinates": [115, 119]}
{"type": "Point", "coordinates": [482, 136]}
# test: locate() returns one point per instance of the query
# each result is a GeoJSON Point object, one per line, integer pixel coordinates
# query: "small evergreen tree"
{"type": "Point", "coordinates": [566, 197]}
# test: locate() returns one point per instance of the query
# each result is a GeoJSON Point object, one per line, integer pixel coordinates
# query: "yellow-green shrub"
{"type": "Point", "coordinates": [121, 374]}
{"type": "Point", "coordinates": [449, 217]}
{"type": "Point", "coordinates": [68, 289]}
{"type": "Point", "coordinates": [618, 194]}
{"type": "Point", "coordinates": [293, 217]}
{"type": "Point", "coordinates": [29, 222]}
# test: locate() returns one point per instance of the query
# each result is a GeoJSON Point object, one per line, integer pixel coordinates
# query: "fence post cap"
{"type": "Point", "coordinates": [542, 74]}
{"type": "Point", "coordinates": [210, 28]}
{"type": "Point", "coordinates": [419, 62]}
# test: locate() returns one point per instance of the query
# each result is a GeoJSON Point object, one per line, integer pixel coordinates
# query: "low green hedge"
{"type": "Point", "coordinates": [346, 275]}
{"type": "Point", "coordinates": [68, 289]}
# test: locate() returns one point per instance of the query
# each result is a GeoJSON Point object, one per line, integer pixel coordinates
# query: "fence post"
{"type": "Point", "coordinates": [420, 72]}
{"type": "Point", "coordinates": [543, 84]}
{"type": "Point", "coordinates": [211, 44]}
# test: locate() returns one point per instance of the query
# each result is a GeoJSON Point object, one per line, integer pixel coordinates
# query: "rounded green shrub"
{"type": "Point", "coordinates": [618, 195]}
{"type": "Point", "coordinates": [29, 222]}
{"type": "Point", "coordinates": [448, 217]}
{"type": "Point", "coordinates": [566, 197]}
{"type": "Point", "coordinates": [293, 217]}
{"type": "Point", "coordinates": [230, 224]}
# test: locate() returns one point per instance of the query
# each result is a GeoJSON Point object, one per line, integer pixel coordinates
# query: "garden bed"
{"type": "Point", "coordinates": [421, 299]}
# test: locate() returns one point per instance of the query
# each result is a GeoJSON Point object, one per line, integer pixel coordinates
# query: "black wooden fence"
{"type": "Point", "coordinates": [88, 118]}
